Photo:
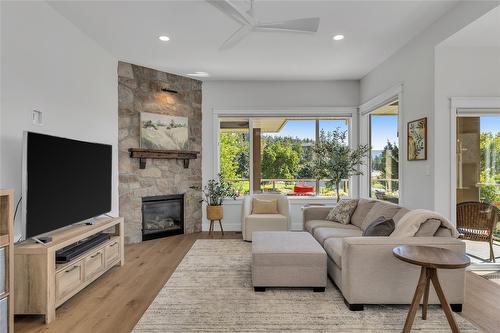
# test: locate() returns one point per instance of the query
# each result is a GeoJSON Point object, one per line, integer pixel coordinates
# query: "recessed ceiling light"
{"type": "Point", "coordinates": [199, 74]}
{"type": "Point", "coordinates": [338, 37]}
{"type": "Point", "coordinates": [164, 38]}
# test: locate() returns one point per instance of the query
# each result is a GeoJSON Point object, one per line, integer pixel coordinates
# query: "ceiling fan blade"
{"type": "Point", "coordinates": [232, 11]}
{"type": "Point", "coordinates": [236, 37]}
{"type": "Point", "coordinates": [310, 24]}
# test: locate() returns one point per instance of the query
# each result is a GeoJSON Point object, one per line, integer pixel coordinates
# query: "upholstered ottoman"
{"type": "Point", "coordinates": [287, 259]}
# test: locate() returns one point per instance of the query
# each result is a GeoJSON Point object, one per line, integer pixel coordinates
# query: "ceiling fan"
{"type": "Point", "coordinates": [250, 23]}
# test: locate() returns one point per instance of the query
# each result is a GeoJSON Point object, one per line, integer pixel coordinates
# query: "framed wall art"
{"type": "Point", "coordinates": [417, 140]}
{"type": "Point", "coordinates": [163, 132]}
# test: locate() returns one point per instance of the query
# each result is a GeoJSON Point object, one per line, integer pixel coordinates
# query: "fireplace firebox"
{"type": "Point", "coordinates": [162, 216]}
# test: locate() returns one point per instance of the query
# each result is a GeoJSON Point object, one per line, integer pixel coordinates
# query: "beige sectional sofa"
{"type": "Point", "coordinates": [364, 268]}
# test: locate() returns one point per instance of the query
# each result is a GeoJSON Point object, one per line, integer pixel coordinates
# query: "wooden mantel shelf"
{"type": "Point", "coordinates": [143, 154]}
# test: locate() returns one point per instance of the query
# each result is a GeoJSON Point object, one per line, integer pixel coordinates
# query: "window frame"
{"type": "Point", "coordinates": [462, 107]}
{"type": "Point", "coordinates": [370, 160]}
{"type": "Point", "coordinates": [387, 97]}
{"type": "Point", "coordinates": [351, 113]}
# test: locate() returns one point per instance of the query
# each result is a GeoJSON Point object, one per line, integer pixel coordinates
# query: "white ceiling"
{"type": "Point", "coordinates": [484, 32]}
{"type": "Point", "coordinates": [374, 30]}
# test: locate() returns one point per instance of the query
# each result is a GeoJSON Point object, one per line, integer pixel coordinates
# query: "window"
{"type": "Point", "coordinates": [329, 125]}
{"type": "Point", "coordinates": [282, 154]}
{"type": "Point", "coordinates": [234, 148]}
{"type": "Point", "coordinates": [286, 155]}
{"type": "Point", "coordinates": [384, 155]}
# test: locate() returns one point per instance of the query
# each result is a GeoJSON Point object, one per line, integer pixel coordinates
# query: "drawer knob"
{"type": "Point", "coordinates": [113, 244]}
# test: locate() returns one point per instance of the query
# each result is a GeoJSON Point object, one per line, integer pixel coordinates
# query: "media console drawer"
{"type": "Point", "coordinates": [94, 264]}
{"type": "Point", "coordinates": [69, 279]}
{"type": "Point", "coordinates": [112, 252]}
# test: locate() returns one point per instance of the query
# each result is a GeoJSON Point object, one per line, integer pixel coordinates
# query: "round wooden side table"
{"type": "Point", "coordinates": [430, 259]}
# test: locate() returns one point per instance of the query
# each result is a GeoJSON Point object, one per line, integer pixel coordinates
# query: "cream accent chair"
{"type": "Point", "coordinates": [264, 222]}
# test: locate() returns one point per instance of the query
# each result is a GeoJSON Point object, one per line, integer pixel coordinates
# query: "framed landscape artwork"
{"type": "Point", "coordinates": [163, 132]}
{"type": "Point", "coordinates": [417, 140]}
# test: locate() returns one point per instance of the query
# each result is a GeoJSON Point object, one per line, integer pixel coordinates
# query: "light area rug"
{"type": "Point", "coordinates": [211, 291]}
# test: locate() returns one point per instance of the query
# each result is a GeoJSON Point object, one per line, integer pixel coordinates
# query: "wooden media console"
{"type": "Point", "coordinates": [42, 284]}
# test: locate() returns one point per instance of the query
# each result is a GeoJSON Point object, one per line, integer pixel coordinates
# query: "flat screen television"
{"type": "Point", "coordinates": [65, 181]}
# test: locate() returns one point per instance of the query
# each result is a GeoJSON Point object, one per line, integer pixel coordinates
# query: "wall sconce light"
{"type": "Point", "coordinates": [169, 91]}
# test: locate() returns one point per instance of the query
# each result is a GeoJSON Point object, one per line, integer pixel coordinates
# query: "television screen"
{"type": "Point", "coordinates": [66, 181]}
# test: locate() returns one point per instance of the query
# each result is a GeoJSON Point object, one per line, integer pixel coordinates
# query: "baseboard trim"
{"type": "Point", "coordinates": [237, 226]}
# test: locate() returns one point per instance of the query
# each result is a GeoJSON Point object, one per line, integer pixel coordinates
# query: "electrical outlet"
{"type": "Point", "coordinates": [37, 117]}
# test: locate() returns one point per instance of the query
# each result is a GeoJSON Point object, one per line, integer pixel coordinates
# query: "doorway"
{"type": "Point", "coordinates": [477, 184]}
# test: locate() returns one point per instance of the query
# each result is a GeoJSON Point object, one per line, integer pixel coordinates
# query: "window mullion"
{"type": "Point", "coordinates": [250, 154]}
{"type": "Point", "coordinates": [317, 132]}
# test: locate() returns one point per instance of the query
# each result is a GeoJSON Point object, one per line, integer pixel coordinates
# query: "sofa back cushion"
{"type": "Point", "coordinates": [260, 206]}
{"type": "Point", "coordinates": [380, 227]}
{"type": "Point", "coordinates": [359, 215]}
{"type": "Point", "coordinates": [381, 208]}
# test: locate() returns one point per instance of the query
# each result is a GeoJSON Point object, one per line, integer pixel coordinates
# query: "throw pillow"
{"type": "Point", "coordinates": [343, 211]}
{"type": "Point", "coordinates": [260, 206]}
{"type": "Point", "coordinates": [380, 227]}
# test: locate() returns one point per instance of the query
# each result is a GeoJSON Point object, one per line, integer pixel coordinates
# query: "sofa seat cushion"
{"type": "Point", "coordinates": [264, 222]}
{"type": "Point", "coordinates": [322, 234]}
{"type": "Point", "coordinates": [313, 224]}
{"type": "Point", "coordinates": [333, 247]}
{"type": "Point", "coordinates": [266, 217]}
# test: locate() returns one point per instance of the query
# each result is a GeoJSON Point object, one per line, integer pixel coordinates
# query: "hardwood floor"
{"type": "Point", "coordinates": [482, 302]}
{"type": "Point", "coordinates": [117, 300]}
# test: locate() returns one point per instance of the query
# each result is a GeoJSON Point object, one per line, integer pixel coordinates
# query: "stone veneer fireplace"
{"type": "Point", "coordinates": [143, 89]}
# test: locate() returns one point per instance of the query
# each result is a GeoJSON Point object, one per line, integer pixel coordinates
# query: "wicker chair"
{"type": "Point", "coordinates": [476, 221]}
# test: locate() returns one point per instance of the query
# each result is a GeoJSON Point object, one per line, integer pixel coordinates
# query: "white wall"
{"type": "Point", "coordinates": [460, 72]}
{"type": "Point", "coordinates": [413, 66]}
{"type": "Point", "coordinates": [266, 94]}
{"type": "Point", "coordinates": [49, 65]}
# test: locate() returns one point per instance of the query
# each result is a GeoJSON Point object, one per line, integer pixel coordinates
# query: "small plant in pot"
{"type": "Point", "coordinates": [214, 194]}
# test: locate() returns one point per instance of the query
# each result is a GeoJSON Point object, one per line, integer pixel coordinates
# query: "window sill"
{"type": "Point", "coordinates": [315, 197]}
{"type": "Point", "coordinates": [236, 201]}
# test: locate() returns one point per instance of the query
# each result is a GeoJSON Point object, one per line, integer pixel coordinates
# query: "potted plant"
{"type": "Point", "coordinates": [335, 160]}
{"type": "Point", "coordinates": [214, 194]}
